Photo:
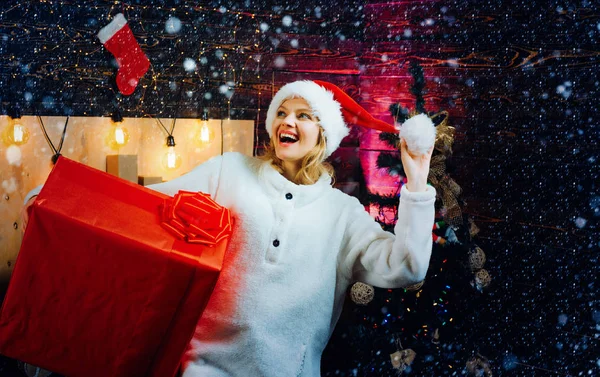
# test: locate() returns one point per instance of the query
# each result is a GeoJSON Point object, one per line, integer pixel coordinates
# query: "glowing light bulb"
{"type": "Point", "coordinates": [204, 133]}
{"type": "Point", "coordinates": [171, 158]}
{"type": "Point", "coordinates": [119, 135]}
{"type": "Point", "coordinates": [18, 133]}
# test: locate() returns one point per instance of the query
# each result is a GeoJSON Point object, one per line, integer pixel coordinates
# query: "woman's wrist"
{"type": "Point", "coordinates": [416, 187]}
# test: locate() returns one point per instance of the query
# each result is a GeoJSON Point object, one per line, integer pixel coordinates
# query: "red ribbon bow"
{"type": "Point", "coordinates": [196, 218]}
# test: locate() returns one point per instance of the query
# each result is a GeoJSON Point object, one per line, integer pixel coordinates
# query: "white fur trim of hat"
{"type": "Point", "coordinates": [323, 106]}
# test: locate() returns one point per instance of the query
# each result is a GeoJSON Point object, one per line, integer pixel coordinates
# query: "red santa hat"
{"type": "Point", "coordinates": [334, 108]}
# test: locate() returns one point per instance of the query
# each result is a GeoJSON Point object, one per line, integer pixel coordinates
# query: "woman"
{"type": "Point", "coordinates": [298, 243]}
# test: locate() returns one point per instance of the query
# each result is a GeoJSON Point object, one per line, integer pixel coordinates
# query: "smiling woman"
{"type": "Point", "coordinates": [289, 288]}
{"type": "Point", "coordinates": [298, 147]}
{"type": "Point", "coordinates": [297, 243]}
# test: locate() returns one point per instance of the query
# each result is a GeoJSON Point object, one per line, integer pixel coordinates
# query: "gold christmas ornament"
{"type": "Point", "coordinates": [482, 279]}
{"type": "Point", "coordinates": [479, 366]}
{"type": "Point", "coordinates": [402, 359]}
{"type": "Point", "coordinates": [476, 259]}
{"type": "Point", "coordinates": [415, 287]}
{"type": "Point", "coordinates": [361, 293]}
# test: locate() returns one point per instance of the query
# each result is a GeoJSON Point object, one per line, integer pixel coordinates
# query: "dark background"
{"type": "Point", "coordinates": [519, 79]}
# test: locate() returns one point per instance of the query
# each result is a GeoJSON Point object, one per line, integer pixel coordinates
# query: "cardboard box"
{"type": "Point", "coordinates": [123, 166]}
{"type": "Point", "coordinates": [146, 181]}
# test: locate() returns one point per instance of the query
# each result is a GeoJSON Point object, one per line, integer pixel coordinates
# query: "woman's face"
{"type": "Point", "coordinates": [295, 130]}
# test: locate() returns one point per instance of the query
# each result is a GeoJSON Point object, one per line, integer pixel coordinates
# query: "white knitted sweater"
{"type": "Point", "coordinates": [294, 252]}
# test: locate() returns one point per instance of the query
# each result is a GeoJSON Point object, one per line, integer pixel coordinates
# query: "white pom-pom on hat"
{"type": "Point", "coordinates": [419, 134]}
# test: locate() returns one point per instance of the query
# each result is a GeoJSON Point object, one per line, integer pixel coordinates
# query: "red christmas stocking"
{"type": "Point", "coordinates": [133, 63]}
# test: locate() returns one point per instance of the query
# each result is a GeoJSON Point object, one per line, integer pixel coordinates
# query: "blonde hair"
{"type": "Point", "coordinates": [313, 164]}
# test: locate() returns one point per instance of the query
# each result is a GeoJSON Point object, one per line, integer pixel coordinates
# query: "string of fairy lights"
{"type": "Point", "coordinates": [17, 134]}
{"type": "Point", "coordinates": [248, 48]}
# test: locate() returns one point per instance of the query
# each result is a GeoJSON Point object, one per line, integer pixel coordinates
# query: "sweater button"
{"type": "Point", "coordinates": [289, 196]}
{"type": "Point", "coordinates": [276, 243]}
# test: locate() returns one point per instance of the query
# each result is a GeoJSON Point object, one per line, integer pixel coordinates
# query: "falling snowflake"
{"type": "Point", "coordinates": [189, 65]}
{"type": "Point", "coordinates": [13, 155]}
{"type": "Point", "coordinates": [280, 62]}
{"type": "Point", "coordinates": [580, 222]}
{"type": "Point", "coordinates": [173, 25]}
{"type": "Point", "coordinates": [10, 185]}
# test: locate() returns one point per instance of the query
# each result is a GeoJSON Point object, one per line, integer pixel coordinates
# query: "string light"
{"type": "Point", "coordinates": [204, 135]}
{"type": "Point", "coordinates": [118, 136]}
{"type": "Point", "coordinates": [15, 133]}
{"type": "Point", "coordinates": [56, 150]}
{"type": "Point", "coordinates": [171, 160]}
{"type": "Point", "coordinates": [18, 132]}
{"type": "Point", "coordinates": [237, 45]}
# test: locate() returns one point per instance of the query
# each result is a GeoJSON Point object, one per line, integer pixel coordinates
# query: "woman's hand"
{"type": "Point", "coordinates": [416, 168]}
{"type": "Point", "coordinates": [25, 214]}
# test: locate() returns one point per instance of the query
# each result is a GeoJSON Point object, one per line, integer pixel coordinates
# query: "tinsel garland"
{"type": "Point", "coordinates": [448, 190]}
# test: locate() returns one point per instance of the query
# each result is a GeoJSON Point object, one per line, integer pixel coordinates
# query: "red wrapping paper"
{"type": "Point", "coordinates": [100, 287]}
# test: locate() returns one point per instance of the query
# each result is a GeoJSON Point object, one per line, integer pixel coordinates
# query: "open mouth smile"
{"type": "Point", "coordinates": [287, 138]}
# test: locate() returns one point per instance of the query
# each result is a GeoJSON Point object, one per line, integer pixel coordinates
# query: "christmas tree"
{"type": "Point", "coordinates": [430, 328]}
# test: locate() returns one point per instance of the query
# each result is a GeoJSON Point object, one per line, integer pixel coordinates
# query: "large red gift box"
{"type": "Point", "coordinates": [101, 287]}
